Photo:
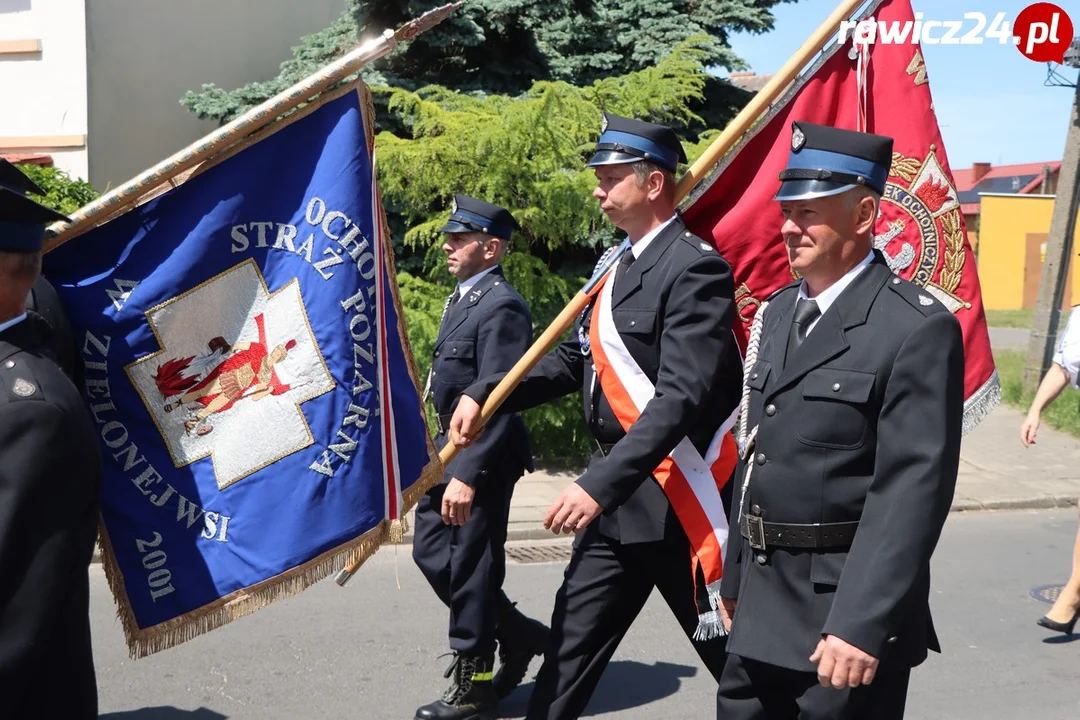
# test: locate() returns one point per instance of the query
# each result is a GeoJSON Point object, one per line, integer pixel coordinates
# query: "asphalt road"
{"type": "Point", "coordinates": [370, 651]}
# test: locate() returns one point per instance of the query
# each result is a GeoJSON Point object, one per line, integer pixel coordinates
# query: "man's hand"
{"type": "Point", "coordinates": [572, 511]}
{"type": "Point", "coordinates": [842, 665]}
{"type": "Point", "coordinates": [1029, 428]}
{"type": "Point", "coordinates": [727, 611]}
{"type": "Point", "coordinates": [457, 502]}
{"type": "Point", "coordinates": [465, 425]}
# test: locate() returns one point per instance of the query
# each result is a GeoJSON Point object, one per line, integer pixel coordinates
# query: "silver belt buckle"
{"type": "Point", "coordinates": [755, 531]}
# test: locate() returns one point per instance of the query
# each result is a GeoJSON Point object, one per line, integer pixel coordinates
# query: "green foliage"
{"type": "Point", "coordinates": [525, 153]}
{"type": "Point", "coordinates": [1009, 318]}
{"type": "Point", "coordinates": [557, 431]}
{"type": "Point", "coordinates": [1062, 414]}
{"type": "Point", "coordinates": [315, 52]}
{"type": "Point", "coordinates": [503, 101]}
{"type": "Point", "coordinates": [62, 193]}
{"type": "Point", "coordinates": [625, 35]}
{"type": "Point", "coordinates": [504, 46]}
{"type": "Point", "coordinates": [528, 154]}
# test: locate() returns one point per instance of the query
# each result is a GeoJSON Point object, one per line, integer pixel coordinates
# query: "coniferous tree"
{"type": "Point", "coordinates": [504, 46]}
{"type": "Point", "coordinates": [503, 101]}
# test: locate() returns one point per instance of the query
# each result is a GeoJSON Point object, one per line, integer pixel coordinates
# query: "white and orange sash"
{"type": "Point", "coordinates": [691, 482]}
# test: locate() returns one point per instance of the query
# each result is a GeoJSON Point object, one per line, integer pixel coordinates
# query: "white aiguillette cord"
{"type": "Point", "coordinates": [746, 441]}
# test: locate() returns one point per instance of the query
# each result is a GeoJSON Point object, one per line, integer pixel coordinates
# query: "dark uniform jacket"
{"type": "Point", "coordinates": [44, 300]}
{"type": "Point", "coordinates": [485, 332]}
{"type": "Point", "coordinates": [674, 310]}
{"type": "Point", "coordinates": [862, 424]}
{"type": "Point", "coordinates": [50, 479]}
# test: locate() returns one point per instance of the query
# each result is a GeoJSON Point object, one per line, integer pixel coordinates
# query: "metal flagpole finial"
{"type": "Point", "coordinates": [426, 21]}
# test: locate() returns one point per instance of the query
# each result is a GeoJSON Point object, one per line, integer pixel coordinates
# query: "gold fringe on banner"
{"type": "Point", "coordinates": [147, 641]}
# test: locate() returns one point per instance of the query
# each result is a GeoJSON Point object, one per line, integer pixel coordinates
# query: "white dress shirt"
{"type": "Point", "coordinates": [639, 247]}
{"type": "Point", "coordinates": [467, 285]}
{"type": "Point", "coordinates": [828, 296]}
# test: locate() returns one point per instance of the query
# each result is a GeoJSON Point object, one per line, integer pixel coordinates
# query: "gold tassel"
{"type": "Point", "coordinates": [147, 641]}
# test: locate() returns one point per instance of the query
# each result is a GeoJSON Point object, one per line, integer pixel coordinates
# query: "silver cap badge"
{"type": "Point", "coordinates": [798, 139]}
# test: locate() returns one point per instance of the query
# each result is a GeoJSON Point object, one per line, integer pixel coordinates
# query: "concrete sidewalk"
{"type": "Point", "coordinates": [996, 473]}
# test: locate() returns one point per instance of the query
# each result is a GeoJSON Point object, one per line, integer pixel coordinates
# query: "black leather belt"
{"type": "Point", "coordinates": [443, 422]}
{"type": "Point", "coordinates": [763, 534]}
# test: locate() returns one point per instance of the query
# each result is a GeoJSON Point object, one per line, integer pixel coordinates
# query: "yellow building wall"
{"type": "Point", "coordinates": [1004, 226]}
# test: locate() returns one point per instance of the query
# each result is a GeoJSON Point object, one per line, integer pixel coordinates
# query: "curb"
{"type": "Point", "coordinates": [1046, 502]}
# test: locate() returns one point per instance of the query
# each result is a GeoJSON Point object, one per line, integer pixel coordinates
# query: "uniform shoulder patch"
{"type": "Point", "coordinates": [23, 387]}
{"type": "Point", "coordinates": [703, 247]}
{"type": "Point", "coordinates": [17, 378]}
{"type": "Point", "coordinates": [919, 298]}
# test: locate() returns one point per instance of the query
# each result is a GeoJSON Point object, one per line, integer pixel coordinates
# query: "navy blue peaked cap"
{"type": "Point", "coordinates": [22, 221]}
{"type": "Point", "coordinates": [827, 161]}
{"type": "Point", "coordinates": [468, 214]}
{"type": "Point", "coordinates": [625, 140]}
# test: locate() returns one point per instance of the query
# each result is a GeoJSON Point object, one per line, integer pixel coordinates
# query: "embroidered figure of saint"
{"type": "Point", "coordinates": [248, 373]}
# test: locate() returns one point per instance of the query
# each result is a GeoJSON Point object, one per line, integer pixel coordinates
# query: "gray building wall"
{"type": "Point", "coordinates": [143, 55]}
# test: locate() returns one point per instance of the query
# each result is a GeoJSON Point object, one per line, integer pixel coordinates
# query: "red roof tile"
{"type": "Point", "coordinates": [28, 158]}
{"type": "Point", "coordinates": [963, 179]}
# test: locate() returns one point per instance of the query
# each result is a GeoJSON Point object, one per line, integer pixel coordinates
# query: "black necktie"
{"type": "Point", "coordinates": [625, 261]}
{"type": "Point", "coordinates": [806, 311]}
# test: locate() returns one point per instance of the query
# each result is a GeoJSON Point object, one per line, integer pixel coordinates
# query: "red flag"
{"type": "Point", "coordinates": [920, 229]}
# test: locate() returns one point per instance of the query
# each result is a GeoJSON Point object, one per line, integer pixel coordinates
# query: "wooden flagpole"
{"type": "Point", "coordinates": [108, 205]}
{"type": "Point", "coordinates": [715, 152]}
{"type": "Point", "coordinates": [763, 99]}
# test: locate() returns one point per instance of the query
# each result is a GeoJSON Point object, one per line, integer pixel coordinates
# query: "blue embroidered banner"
{"type": "Point", "coordinates": [246, 367]}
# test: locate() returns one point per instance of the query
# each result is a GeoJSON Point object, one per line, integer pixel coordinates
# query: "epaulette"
{"type": "Point", "coordinates": [919, 298]}
{"type": "Point", "coordinates": [17, 381]}
{"type": "Point", "coordinates": [697, 243]}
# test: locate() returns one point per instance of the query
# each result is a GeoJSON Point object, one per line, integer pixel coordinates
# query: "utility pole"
{"type": "Point", "coordinates": [1044, 324]}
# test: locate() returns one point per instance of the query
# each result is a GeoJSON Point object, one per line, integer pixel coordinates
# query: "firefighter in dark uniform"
{"type": "Point", "coordinates": [852, 444]}
{"type": "Point", "coordinates": [42, 298]}
{"type": "Point", "coordinates": [461, 523]}
{"type": "Point", "coordinates": [50, 479]}
{"type": "Point", "coordinates": [673, 303]}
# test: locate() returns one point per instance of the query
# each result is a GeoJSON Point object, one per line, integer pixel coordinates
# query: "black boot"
{"type": "Point", "coordinates": [520, 639]}
{"type": "Point", "coordinates": [470, 695]}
